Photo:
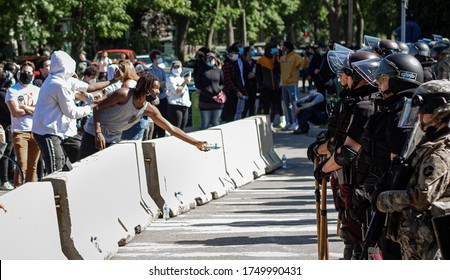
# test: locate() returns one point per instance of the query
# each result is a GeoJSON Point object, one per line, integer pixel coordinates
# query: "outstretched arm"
{"type": "Point", "coordinates": [160, 121]}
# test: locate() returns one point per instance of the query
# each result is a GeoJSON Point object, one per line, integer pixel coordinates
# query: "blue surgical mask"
{"type": "Point", "coordinates": [273, 50]}
{"type": "Point", "coordinates": [253, 53]}
{"type": "Point", "coordinates": [209, 63]}
{"type": "Point", "coordinates": [241, 50]}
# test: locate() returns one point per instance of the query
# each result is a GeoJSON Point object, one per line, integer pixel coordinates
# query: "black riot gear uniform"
{"type": "Point", "coordinates": [382, 136]}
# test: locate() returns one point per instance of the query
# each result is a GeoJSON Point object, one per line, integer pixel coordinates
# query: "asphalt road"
{"type": "Point", "coordinates": [272, 218]}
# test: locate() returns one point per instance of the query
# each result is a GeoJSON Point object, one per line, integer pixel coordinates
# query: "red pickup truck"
{"type": "Point", "coordinates": [114, 55]}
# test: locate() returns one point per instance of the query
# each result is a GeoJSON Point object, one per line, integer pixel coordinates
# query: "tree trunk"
{"type": "Point", "coordinates": [334, 14]}
{"type": "Point", "coordinates": [210, 35]}
{"type": "Point", "coordinates": [182, 30]}
{"type": "Point", "coordinates": [229, 29]}
{"type": "Point", "coordinates": [359, 24]}
{"type": "Point", "coordinates": [244, 25]}
{"type": "Point", "coordinates": [78, 30]}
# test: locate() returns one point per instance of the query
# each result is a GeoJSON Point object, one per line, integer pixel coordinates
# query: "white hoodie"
{"type": "Point", "coordinates": [56, 106]}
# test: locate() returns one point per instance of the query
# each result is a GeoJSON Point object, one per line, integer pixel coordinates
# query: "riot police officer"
{"type": "Point", "coordinates": [427, 193]}
{"type": "Point", "coordinates": [421, 51]}
{"type": "Point", "coordinates": [386, 47]}
{"type": "Point", "coordinates": [357, 108]}
{"type": "Point", "coordinates": [327, 141]}
{"type": "Point", "coordinates": [440, 53]}
{"type": "Point", "coordinates": [397, 76]}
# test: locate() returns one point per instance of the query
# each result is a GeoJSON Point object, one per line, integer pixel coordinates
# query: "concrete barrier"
{"type": "Point", "coordinates": [102, 202]}
{"type": "Point", "coordinates": [173, 170]}
{"type": "Point", "coordinates": [29, 230]}
{"type": "Point", "coordinates": [210, 167]}
{"type": "Point", "coordinates": [242, 151]}
{"type": "Point", "coordinates": [267, 150]}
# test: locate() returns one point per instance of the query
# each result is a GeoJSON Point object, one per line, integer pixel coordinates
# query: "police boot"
{"type": "Point", "coordinates": [357, 252]}
{"type": "Point", "coordinates": [348, 244]}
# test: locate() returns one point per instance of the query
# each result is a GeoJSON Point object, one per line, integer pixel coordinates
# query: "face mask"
{"type": "Point", "coordinates": [234, 57]}
{"type": "Point", "coordinates": [159, 60]}
{"type": "Point", "coordinates": [273, 50]}
{"type": "Point", "coordinates": [285, 52]}
{"type": "Point", "coordinates": [26, 78]}
{"type": "Point", "coordinates": [322, 52]}
{"type": "Point", "coordinates": [176, 71]}
{"type": "Point", "coordinates": [241, 50]}
{"type": "Point", "coordinates": [209, 63]}
{"type": "Point", "coordinates": [92, 81]}
{"type": "Point", "coordinates": [253, 53]}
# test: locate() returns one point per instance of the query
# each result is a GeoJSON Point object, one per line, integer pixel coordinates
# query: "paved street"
{"type": "Point", "coordinates": [271, 218]}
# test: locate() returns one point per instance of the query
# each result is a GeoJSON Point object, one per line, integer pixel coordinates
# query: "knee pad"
{"type": "Point", "coordinates": [346, 156]}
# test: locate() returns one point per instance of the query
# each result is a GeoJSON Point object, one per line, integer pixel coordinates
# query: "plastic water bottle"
{"type": "Point", "coordinates": [214, 146]}
{"type": "Point", "coordinates": [284, 161]}
{"type": "Point", "coordinates": [94, 240]}
{"type": "Point", "coordinates": [166, 215]}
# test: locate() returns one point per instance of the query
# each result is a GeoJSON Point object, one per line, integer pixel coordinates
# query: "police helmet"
{"type": "Point", "coordinates": [348, 67]}
{"type": "Point", "coordinates": [442, 47]}
{"type": "Point", "coordinates": [419, 49]}
{"type": "Point", "coordinates": [403, 47]}
{"type": "Point", "coordinates": [433, 97]}
{"type": "Point", "coordinates": [386, 47]}
{"type": "Point", "coordinates": [403, 67]}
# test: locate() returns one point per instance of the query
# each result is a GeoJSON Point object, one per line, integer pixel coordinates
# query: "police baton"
{"type": "Point", "coordinates": [317, 196]}
{"type": "Point", "coordinates": [324, 223]}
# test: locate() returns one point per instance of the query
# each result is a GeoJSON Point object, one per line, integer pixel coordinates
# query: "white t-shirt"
{"type": "Point", "coordinates": [22, 96]}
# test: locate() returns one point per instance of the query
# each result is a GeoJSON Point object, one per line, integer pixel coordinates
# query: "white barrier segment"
{"type": "Point", "coordinates": [242, 152]}
{"type": "Point", "coordinates": [171, 165]}
{"type": "Point", "coordinates": [268, 153]}
{"type": "Point", "coordinates": [100, 203]}
{"type": "Point", "coordinates": [146, 201]}
{"type": "Point", "coordinates": [210, 167]}
{"type": "Point", "coordinates": [29, 228]}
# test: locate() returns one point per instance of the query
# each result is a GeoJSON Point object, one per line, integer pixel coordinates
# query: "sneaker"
{"type": "Point", "coordinates": [282, 124]}
{"type": "Point", "coordinates": [293, 126]}
{"type": "Point", "coordinates": [7, 186]}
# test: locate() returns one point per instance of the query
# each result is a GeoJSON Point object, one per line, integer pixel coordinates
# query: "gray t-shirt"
{"type": "Point", "coordinates": [115, 119]}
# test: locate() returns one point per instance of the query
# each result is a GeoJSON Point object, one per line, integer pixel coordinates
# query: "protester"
{"type": "Point", "coordinates": [21, 100]}
{"type": "Point", "coordinates": [123, 109]}
{"type": "Point", "coordinates": [103, 64]}
{"type": "Point", "coordinates": [56, 107]}
{"type": "Point", "coordinates": [209, 82]}
{"type": "Point", "coordinates": [6, 80]}
{"type": "Point", "coordinates": [178, 94]}
{"type": "Point", "coordinates": [233, 86]}
{"type": "Point", "coordinates": [413, 32]}
{"type": "Point", "coordinates": [250, 82]}
{"type": "Point", "coordinates": [44, 71]}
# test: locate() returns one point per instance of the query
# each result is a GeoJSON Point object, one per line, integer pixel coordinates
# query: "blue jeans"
{"type": "Point", "coordinates": [312, 115]}
{"type": "Point", "coordinates": [136, 132]}
{"type": "Point", "coordinates": [210, 116]}
{"type": "Point", "coordinates": [290, 97]}
{"type": "Point", "coordinates": [239, 109]}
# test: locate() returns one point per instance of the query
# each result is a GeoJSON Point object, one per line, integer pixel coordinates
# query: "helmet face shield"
{"type": "Point", "coordinates": [367, 68]}
{"type": "Point", "coordinates": [409, 114]}
{"type": "Point", "coordinates": [336, 60]}
{"type": "Point", "coordinates": [339, 47]}
{"type": "Point", "coordinates": [370, 41]}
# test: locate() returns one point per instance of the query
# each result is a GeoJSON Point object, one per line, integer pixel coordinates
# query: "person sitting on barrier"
{"type": "Point", "coordinates": [121, 110]}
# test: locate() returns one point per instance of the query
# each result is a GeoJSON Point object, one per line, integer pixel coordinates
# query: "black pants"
{"type": "Point", "coordinates": [51, 151]}
{"type": "Point", "coordinates": [87, 147]}
{"type": "Point", "coordinates": [72, 146]}
{"type": "Point", "coordinates": [4, 162]}
{"type": "Point", "coordinates": [270, 103]}
{"type": "Point", "coordinates": [162, 107]}
{"type": "Point", "coordinates": [178, 115]}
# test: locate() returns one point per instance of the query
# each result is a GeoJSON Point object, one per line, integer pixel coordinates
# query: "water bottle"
{"type": "Point", "coordinates": [283, 160]}
{"type": "Point", "coordinates": [166, 215]}
{"type": "Point", "coordinates": [214, 146]}
{"type": "Point", "coordinates": [94, 240]}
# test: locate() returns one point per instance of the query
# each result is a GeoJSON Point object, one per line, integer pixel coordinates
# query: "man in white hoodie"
{"type": "Point", "coordinates": [56, 107]}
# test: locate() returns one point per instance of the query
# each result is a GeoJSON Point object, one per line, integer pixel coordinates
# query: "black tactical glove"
{"type": "Point", "coordinates": [319, 174]}
{"type": "Point", "coordinates": [311, 153]}
{"type": "Point", "coordinates": [321, 138]}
